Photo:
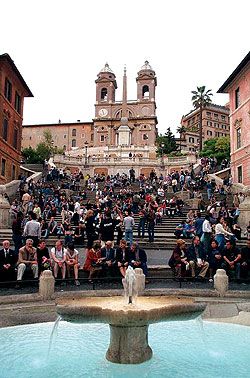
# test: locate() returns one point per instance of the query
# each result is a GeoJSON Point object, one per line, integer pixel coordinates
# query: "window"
{"type": "Point", "coordinates": [145, 137]}
{"type": "Point", "coordinates": [3, 167]}
{"type": "Point", "coordinates": [5, 129]}
{"type": "Point", "coordinates": [145, 91]}
{"type": "Point", "coordinates": [237, 98]}
{"type": "Point", "coordinates": [209, 133]}
{"type": "Point", "coordinates": [239, 171]}
{"type": "Point", "coordinates": [208, 114]}
{"type": "Point", "coordinates": [15, 138]}
{"type": "Point", "coordinates": [18, 103]}
{"type": "Point", "coordinates": [102, 138]}
{"type": "Point", "coordinates": [65, 136]}
{"type": "Point", "coordinates": [8, 90]}
{"type": "Point", "coordinates": [104, 94]}
{"type": "Point", "coordinates": [216, 116]}
{"type": "Point", "coordinates": [74, 132]}
{"type": "Point", "coordinates": [238, 138]}
{"type": "Point", "coordinates": [92, 137]}
{"type": "Point", "coordinates": [83, 135]}
{"type": "Point", "coordinates": [64, 148]}
{"type": "Point", "coordinates": [191, 140]}
{"type": "Point", "coordinates": [73, 143]}
{"type": "Point", "coordinates": [13, 174]}
{"type": "Point", "coordinates": [223, 118]}
{"type": "Point", "coordinates": [188, 122]}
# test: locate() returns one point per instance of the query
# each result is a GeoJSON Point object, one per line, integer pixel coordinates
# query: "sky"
{"type": "Point", "coordinates": [60, 46]}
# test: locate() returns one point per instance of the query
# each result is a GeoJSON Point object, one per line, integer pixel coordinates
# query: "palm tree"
{"type": "Point", "coordinates": [181, 130]}
{"type": "Point", "coordinates": [201, 98]}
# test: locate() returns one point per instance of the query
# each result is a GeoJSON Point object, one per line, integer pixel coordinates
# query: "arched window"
{"type": "Point", "coordinates": [74, 132]}
{"type": "Point", "coordinates": [64, 148]}
{"type": "Point", "coordinates": [73, 142]}
{"type": "Point", "coordinates": [104, 94]}
{"type": "Point", "coordinates": [145, 91]}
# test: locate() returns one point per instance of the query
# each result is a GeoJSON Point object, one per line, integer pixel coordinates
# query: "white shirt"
{"type": "Point", "coordinates": [220, 230]}
{"type": "Point", "coordinates": [206, 227]}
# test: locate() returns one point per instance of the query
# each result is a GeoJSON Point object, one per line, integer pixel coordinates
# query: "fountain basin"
{"type": "Point", "coordinates": [128, 322]}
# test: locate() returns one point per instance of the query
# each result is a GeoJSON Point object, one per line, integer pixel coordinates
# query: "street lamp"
{"type": "Point", "coordinates": [162, 158]}
{"type": "Point", "coordinates": [86, 154]}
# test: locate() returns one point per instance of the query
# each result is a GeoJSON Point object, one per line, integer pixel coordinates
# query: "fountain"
{"type": "Point", "coordinates": [128, 321]}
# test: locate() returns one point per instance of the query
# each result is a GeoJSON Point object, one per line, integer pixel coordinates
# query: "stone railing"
{"type": "Point", "coordinates": [166, 160]}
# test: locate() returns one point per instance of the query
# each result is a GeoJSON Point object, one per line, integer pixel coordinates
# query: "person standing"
{"type": "Point", "coordinates": [207, 232]}
{"type": "Point", "coordinates": [128, 224]}
{"type": "Point", "coordinates": [32, 229]}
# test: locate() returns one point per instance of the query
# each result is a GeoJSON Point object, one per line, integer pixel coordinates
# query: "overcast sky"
{"type": "Point", "coordinates": [60, 46]}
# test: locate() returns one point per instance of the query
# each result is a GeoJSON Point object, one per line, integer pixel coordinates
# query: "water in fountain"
{"type": "Point", "coordinates": [53, 333]}
{"type": "Point", "coordinates": [129, 284]}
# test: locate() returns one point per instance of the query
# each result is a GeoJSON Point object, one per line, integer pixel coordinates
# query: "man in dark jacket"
{"type": "Point", "coordinates": [197, 258]}
{"type": "Point", "coordinates": [108, 258]}
{"type": "Point", "coordinates": [138, 258]}
{"type": "Point", "coordinates": [8, 260]}
{"type": "Point", "coordinates": [107, 228]}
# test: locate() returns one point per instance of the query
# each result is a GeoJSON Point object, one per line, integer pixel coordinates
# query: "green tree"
{"type": "Point", "coordinates": [201, 98]}
{"type": "Point", "coordinates": [181, 130]}
{"type": "Point", "coordinates": [166, 143]}
{"type": "Point", "coordinates": [217, 147]}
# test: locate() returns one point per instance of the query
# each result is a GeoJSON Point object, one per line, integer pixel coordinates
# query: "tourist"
{"type": "Point", "coordinates": [142, 222]}
{"type": "Point", "coordinates": [128, 223]}
{"type": "Point", "coordinates": [214, 259]}
{"type": "Point", "coordinates": [107, 228]}
{"type": "Point", "coordinates": [207, 233]}
{"type": "Point", "coordinates": [198, 223]}
{"type": "Point", "coordinates": [220, 233]}
{"type": "Point", "coordinates": [8, 260]}
{"type": "Point", "coordinates": [196, 257]}
{"type": "Point", "coordinates": [151, 225]}
{"type": "Point", "coordinates": [231, 259]}
{"type": "Point", "coordinates": [32, 229]}
{"type": "Point", "coordinates": [123, 257]}
{"type": "Point", "coordinates": [178, 260]}
{"type": "Point", "coordinates": [43, 256]}
{"type": "Point", "coordinates": [108, 258]}
{"type": "Point", "coordinates": [72, 262]}
{"type": "Point", "coordinates": [27, 260]}
{"type": "Point", "coordinates": [17, 231]}
{"type": "Point", "coordinates": [138, 258]}
{"type": "Point", "coordinates": [93, 262]}
{"type": "Point", "coordinates": [90, 227]}
{"type": "Point", "coordinates": [58, 256]}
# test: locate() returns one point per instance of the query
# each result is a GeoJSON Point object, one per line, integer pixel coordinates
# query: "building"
{"type": "Point", "coordinates": [65, 135]}
{"type": "Point", "coordinates": [105, 130]}
{"type": "Point", "coordinates": [13, 89]}
{"type": "Point", "coordinates": [215, 123]}
{"type": "Point", "coordinates": [238, 87]}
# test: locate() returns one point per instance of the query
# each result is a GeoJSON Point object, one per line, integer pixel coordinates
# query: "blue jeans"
{"type": "Point", "coordinates": [141, 227]}
{"type": "Point", "coordinates": [220, 238]}
{"type": "Point", "coordinates": [129, 236]}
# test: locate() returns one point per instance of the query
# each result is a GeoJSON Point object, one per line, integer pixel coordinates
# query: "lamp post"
{"type": "Point", "coordinates": [86, 154]}
{"type": "Point", "coordinates": [162, 156]}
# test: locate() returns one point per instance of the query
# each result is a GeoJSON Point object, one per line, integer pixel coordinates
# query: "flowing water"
{"type": "Point", "coordinates": [78, 351]}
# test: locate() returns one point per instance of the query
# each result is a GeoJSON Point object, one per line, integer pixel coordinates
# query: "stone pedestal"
{"type": "Point", "coordinates": [244, 216]}
{"type": "Point", "coordinates": [221, 282]}
{"type": "Point", "coordinates": [46, 285]}
{"type": "Point", "coordinates": [128, 345]}
{"type": "Point", "coordinates": [140, 280]}
{"type": "Point", "coordinates": [5, 221]}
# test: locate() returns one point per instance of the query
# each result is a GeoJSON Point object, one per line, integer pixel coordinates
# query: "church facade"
{"type": "Point", "coordinates": [107, 129]}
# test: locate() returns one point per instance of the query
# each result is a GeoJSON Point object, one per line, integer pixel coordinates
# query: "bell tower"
{"type": "Point", "coordinates": [146, 83]}
{"type": "Point", "coordinates": [105, 91]}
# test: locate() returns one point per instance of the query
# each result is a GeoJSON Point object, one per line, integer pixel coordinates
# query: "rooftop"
{"type": "Point", "coordinates": [238, 69]}
{"type": "Point", "coordinates": [6, 57]}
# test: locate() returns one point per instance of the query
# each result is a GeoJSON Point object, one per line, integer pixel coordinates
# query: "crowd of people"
{"type": "Point", "coordinates": [98, 212]}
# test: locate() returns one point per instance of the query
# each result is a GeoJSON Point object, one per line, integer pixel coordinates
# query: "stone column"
{"type": "Point", "coordinates": [244, 216]}
{"type": "Point", "coordinates": [140, 280]}
{"type": "Point", "coordinates": [47, 285]}
{"type": "Point", "coordinates": [5, 221]}
{"type": "Point", "coordinates": [221, 282]}
{"type": "Point", "coordinates": [128, 345]}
